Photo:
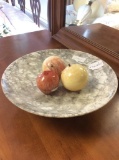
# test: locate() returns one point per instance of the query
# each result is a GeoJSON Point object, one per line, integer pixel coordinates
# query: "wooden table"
{"type": "Point", "coordinates": [25, 136]}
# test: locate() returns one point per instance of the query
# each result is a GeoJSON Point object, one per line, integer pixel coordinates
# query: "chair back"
{"type": "Point", "coordinates": [22, 5]}
{"type": "Point", "coordinates": [7, 1]}
{"type": "Point", "coordinates": [13, 2]}
{"type": "Point", "coordinates": [36, 9]}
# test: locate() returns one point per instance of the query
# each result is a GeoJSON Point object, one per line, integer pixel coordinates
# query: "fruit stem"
{"type": "Point", "coordinates": [51, 65]}
{"type": "Point", "coordinates": [69, 65]}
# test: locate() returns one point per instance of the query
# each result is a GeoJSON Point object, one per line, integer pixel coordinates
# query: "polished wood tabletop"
{"type": "Point", "coordinates": [25, 136]}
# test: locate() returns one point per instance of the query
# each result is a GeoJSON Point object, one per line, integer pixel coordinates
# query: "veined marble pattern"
{"type": "Point", "coordinates": [19, 86]}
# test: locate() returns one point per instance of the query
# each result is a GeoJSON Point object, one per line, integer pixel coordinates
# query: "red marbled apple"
{"type": "Point", "coordinates": [47, 81]}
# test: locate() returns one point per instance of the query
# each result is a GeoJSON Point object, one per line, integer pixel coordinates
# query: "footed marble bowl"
{"type": "Point", "coordinates": [19, 85]}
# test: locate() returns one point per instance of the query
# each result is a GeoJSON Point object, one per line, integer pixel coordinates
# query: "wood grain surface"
{"type": "Point", "coordinates": [25, 136]}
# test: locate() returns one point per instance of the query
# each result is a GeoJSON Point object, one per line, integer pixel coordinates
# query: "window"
{"type": "Point", "coordinates": [43, 15]}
